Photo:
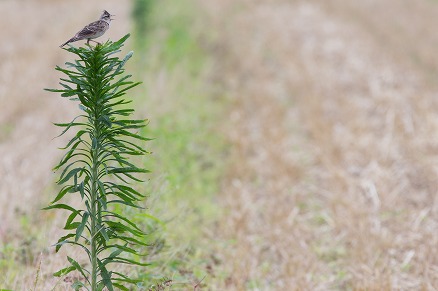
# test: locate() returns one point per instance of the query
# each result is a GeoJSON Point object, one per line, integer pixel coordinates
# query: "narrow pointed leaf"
{"type": "Point", "coordinates": [64, 271]}
{"type": "Point", "coordinates": [81, 226]}
{"type": "Point", "coordinates": [78, 267]}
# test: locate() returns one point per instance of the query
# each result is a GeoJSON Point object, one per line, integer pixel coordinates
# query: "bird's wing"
{"type": "Point", "coordinates": [88, 30]}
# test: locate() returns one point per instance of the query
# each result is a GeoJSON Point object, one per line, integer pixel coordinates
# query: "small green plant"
{"type": "Point", "coordinates": [96, 168]}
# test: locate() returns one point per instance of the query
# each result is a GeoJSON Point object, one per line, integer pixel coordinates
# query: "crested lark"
{"type": "Point", "coordinates": [92, 30]}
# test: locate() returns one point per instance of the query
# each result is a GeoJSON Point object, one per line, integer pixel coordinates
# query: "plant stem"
{"type": "Point", "coordinates": [93, 214]}
{"type": "Point", "coordinates": [94, 178]}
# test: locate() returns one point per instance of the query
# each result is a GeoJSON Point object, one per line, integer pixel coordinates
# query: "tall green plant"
{"type": "Point", "coordinates": [96, 167]}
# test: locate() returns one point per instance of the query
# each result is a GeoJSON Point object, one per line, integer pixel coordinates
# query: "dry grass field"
{"type": "Point", "coordinates": [332, 127]}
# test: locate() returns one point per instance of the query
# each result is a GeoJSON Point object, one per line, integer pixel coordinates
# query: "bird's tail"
{"type": "Point", "coordinates": [73, 39]}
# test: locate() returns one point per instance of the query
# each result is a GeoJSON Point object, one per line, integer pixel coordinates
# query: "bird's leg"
{"type": "Point", "coordinates": [95, 41]}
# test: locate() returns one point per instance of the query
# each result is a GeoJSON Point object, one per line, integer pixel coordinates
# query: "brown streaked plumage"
{"type": "Point", "coordinates": [92, 30]}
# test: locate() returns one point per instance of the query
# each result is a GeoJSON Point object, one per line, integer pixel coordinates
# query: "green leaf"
{"type": "Point", "coordinates": [64, 271]}
{"type": "Point", "coordinates": [67, 168]}
{"type": "Point", "coordinates": [78, 267]}
{"type": "Point", "coordinates": [113, 214]}
{"type": "Point", "coordinates": [124, 278]}
{"type": "Point", "coordinates": [102, 198]}
{"type": "Point", "coordinates": [83, 99]}
{"type": "Point", "coordinates": [82, 189]}
{"type": "Point", "coordinates": [68, 94]}
{"type": "Point", "coordinates": [106, 120]}
{"type": "Point", "coordinates": [127, 170]}
{"type": "Point", "coordinates": [120, 227]}
{"type": "Point", "coordinates": [125, 249]}
{"type": "Point", "coordinates": [70, 219]}
{"type": "Point", "coordinates": [123, 62]}
{"type": "Point", "coordinates": [65, 159]}
{"type": "Point", "coordinates": [131, 240]}
{"type": "Point", "coordinates": [62, 193]}
{"type": "Point", "coordinates": [115, 253]}
{"type": "Point", "coordinates": [122, 91]}
{"type": "Point", "coordinates": [120, 42]}
{"type": "Point", "coordinates": [67, 87]}
{"type": "Point", "coordinates": [136, 136]}
{"type": "Point", "coordinates": [60, 206]}
{"type": "Point", "coordinates": [121, 287]}
{"type": "Point", "coordinates": [69, 175]}
{"type": "Point", "coordinates": [54, 90]}
{"type": "Point", "coordinates": [68, 125]}
{"type": "Point", "coordinates": [106, 276]}
{"type": "Point", "coordinates": [93, 143]}
{"type": "Point", "coordinates": [127, 203]}
{"type": "Point", "coordinates": [77, 285]}
{"type": "Point", "coordinates": [129, 262]}
{"type": "Point", "coordinates": [76, 140]}
{"type": "Point", "coordinates": [73, 225]}
{"type": "Point", "coordinates": [127, 189]}
{"type": "Point", "coordinates": [81, 226]}
{"type": "Point", "coordinates": [62, 241]}
{"type": "Point", "coordinates": [102, 230]}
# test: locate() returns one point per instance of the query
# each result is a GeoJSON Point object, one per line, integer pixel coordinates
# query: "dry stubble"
{"type": "Point", "coordinates": [334, 180]}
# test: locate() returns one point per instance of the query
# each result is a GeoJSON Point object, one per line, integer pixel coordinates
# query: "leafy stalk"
{"type": "Point", "coordinates": [97, 168]}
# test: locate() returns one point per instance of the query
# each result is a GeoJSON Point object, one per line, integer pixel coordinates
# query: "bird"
{"type": "Point", "coordinates": [92, 30]}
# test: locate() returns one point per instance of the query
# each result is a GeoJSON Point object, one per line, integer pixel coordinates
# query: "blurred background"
{"type": "Point", "coordinates": [294, 141]}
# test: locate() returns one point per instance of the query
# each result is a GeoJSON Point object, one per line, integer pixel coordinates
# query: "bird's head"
{"type": "Point", "coordinates": [106, 16]}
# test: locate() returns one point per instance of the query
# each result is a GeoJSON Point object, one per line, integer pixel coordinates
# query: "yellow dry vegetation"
{"type": "Point", "coordinates": [333, 129]}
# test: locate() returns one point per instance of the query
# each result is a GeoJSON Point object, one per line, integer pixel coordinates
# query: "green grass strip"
{"type": "Point", "coordinates": [188, 150]}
